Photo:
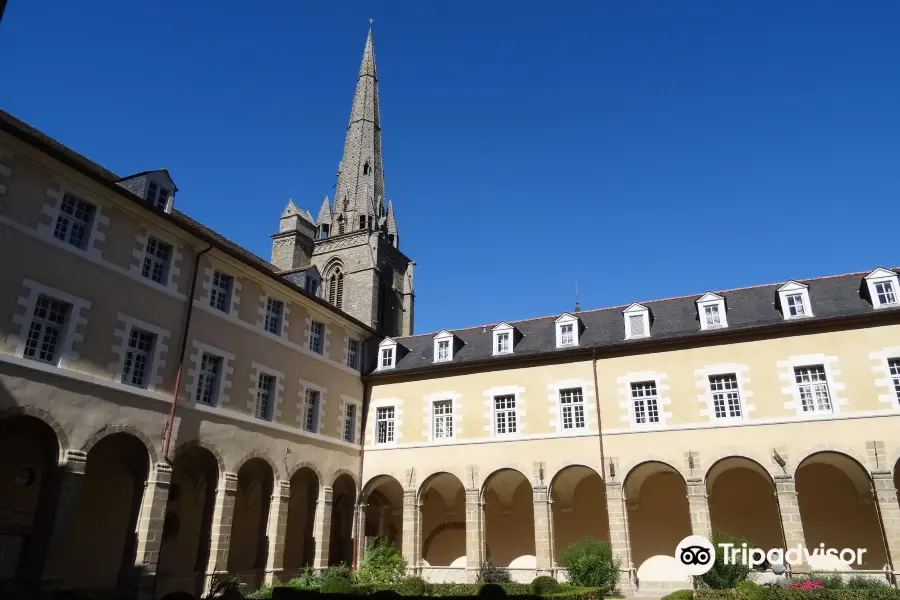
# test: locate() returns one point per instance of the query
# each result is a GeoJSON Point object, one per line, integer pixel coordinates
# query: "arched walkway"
{"type": "Point", "coordinates": [658, 512]}
{"type": "Point", "coordinates": [509, 518]}
{"type": "Point", "coordinates": [443, 513]}
{"type": "Point", "coordinates": [299, 544]}
{"type": "Point", "coordinates": [340, 550]}
{"type": "Point", "coordinates": [837, 507]}
{"type": "Point", "coordinates": [103, 529]}
{"type": "Point", "coordinates": [579, 507]}
{"type": "Point", "coordinates": [248, 547]}
{"type": "Point", "coordinates": [742, 502]}
{"type": "Point", "coordinates": [184, 551]}
{"type": "Point", "coordinates": [29, 454]}
{"type": "Point", "coordinates": [383, 501]}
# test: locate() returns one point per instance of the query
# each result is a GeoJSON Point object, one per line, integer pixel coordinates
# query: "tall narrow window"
{"type": "Point", "coordinates": [157, 196]}
{"type": "Point", "coordinates": [220, 292]}
{"type": "Point", "coordinates": [442, 412]}
{"type": "Point", "coordinates": [353, 353]}
{"type": "Point", "coordinates": [156, 261]}
{"type": "Point", "coordinates": [894, 368]}
{"type": "Point", "coordinates": [265, 394]}
{"type": "Point", "coordinates": [366, 168]}
{"type": "Point", "coordinates": [362, 221]}
{"type": "Point", "coordinates": [317, 337]}
{"type": "Point", "coordinates": [73, 224]}
{"type": "Point", "coordinates": [571, 403]}
{"type": "Point", "coordinates": [711, 314]}
{"type": "Point", "coordinates": [796, 307]}
{"type": "Point", "coordinates": [350, 424]}
{"type": "Point", "coordinates": [208, 379]}
{"type": "Point", "coordinates": [645, 402]}
{"type": "Point", "coordinates": [503, 342]}
{"type": "Point", "coordinates": [311, 411]}
{"type": "Point", "coordinates": [726, 396]}
{"type": "Point", "coordinates": [45, 333]}
{"type": "Point", "coordinates": [312, 285]}
{"type": "Point", "coordinates": [341, 223]}
{"type": "Point", "coordinates": [637, 325]}
{"type": "Point", "coordinates": [505, 415]}
{"type": "Point", "coordinates": [566, 334]}
{"type": "Point", "coordinates": [812, 385]}
{"type": "Point", "coordinates": [443, 350]}
{"type": "Point", "coordinates": [336, 289]}
{"type": "Point", "coordinates": [274, 315]}
{"type": "Point", "coordinates": [138, 357]}
{"type": "Point", "coordinates": [387, 358]}
{"type": "Point", "coordinates": [384, 424]}
{"type": "Point", "coordinates": [340, 290]}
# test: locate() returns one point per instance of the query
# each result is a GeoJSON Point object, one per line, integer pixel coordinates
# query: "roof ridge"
{"type": "Point", "coordinates": [725, 291]}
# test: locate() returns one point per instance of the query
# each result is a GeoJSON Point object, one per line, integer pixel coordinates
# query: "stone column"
{"type": "Point", "coordinates": [360, 523]}
{"type": "Point", "coordinates": [699, 505]}
{"type": "Point", "coordinates": [220, 531]}
{"type": "Point", "coordinates": [151, 517]}
{"type": "Point", "coordinates": [322, 530]}
{"type": "Point", "coordinates": [542, 526]}
{"type": "Point", "coordinates": [71, 476]}
{"type": "Point", "coordinates": [276, 530]}
{"type": "Point", "coordinates": [618, 534]}
{"type": "Point", "coordinates": [412, 524]}
{"type": "Point", "coordinates": [889, 511]}
{"type": "Point", "coordinates": [789, 509]}
{"type": "Point", "coordinates": [474, 534]}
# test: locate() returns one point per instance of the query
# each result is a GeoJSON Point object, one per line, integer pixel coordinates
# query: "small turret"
{"type": "Point", "coordinates": [292, 246]}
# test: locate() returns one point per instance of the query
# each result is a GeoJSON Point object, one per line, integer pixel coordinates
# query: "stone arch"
{"type": "Point", "coordinates": [578, 507]}
{"type": "Point", "coordinates": [38, 413]}
{"type": "Point", "coordinates": [338, 472]}
{"type": "Point", "coordinates": [331, 265]}
{"type": "Point", "coordinates": [129, 429]}
{"type": "Point", "coordinates": [373, 482]}
{"type": "Point", "coordinates": [429, 539]}
{"type": "Point", "coordinates": [306, 465]}
{"type": "Point", "coordinates": [715, 467]}
{"type": "Point", "coordinates": [300, 542]}
{"type": "Point", "coordinates": [511, 467]}
{"type": "Point", "coordinates": [343, 510]}
{"type": "Point", "coordinates": [833, 448]}
{"type": "Point", "coordinates": [555, 476]}
{"type": "Point", "coordinates": [276, 472]}
{"type": "Point", "coordinates": [507, 494]}
{"type": "Point", "coordinates": [381, 502]}
{"type": "Point", "coordinates": [630, 467]}
{"type": "Point", "coordinates": [429, 480]}
{"type": "Point", "coordinates": [442, 497]}
{"type": "Point", "coordinates": [184, 447]}
{"type": "Point", "coordinates": [750, 456]}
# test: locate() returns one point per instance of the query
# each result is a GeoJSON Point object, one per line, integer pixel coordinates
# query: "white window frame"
{"type": "Point", "coordinates": [644, 313]}
{"type": "Point", "coordinates": [894, 377]}
{"type": "Point", "coordinates": [167, 275]}
{"type": "Point", "coordinates": [148, 354]}
{"type": "Point", "coordinates": [448, 419]}
{"type": "Point", "coordinates": [46, 325]}
{"type": "Point", "coordinates": [514, 411]}
{"type": "Point", "coordinates": [816, 410]}
{"type": "Point", "coordinates": [123, 333]}
{"type": "Point", "coordinates": [712, 398]}
{"type": "Point", "coordinates": [390, 425]}
{"type": "Point", "coordinates": [883, 276]}
{"type": "Point", "coordinates": [660, 420]}
{"type": "Point", "coordinates": [574, 406]}
{"type": "Point", "coordinates": [54, 211]}
{"type": "Point", "coordinates": [354, 352]}
{"type": "Point", "coordinates": [279, 326]}
{"type": "Point", "coordinates": [154, 202]}
{"type": "Point", "coordinates": [501, 329]}
{"type": "Point", "coordinates": [71, 334]}
{"type": "Point", "coordinates": [792, 288]}
{"type": "Point", "coordinates": [711, 300]}
{"type": "Point", "coordinates": [220, 377]}
{"type": "Point", "coordinates": [88, 226]}
{"type": "Point", "coordinates": [312, 411]}
{"type": "Point", "coordinates": [228, 295]}
{"type": "Point", "coordinates": [271, 393]}
{"type": "Point", "coordinates": [567, 320]}
{"type": "Point", "coordinates": [349, 422]}
{"type": "Point", "coordinates": [443, 337]}
{"type": "Point", "coordinates": [313, 335]}
{"type": "Point", "coordinates": [387, 345]}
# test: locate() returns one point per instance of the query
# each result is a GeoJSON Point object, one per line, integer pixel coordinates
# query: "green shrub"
{"type": "Point", "coordinates": [413, 586]}
{"type": "Point", "coordinates": [263, 593]}
{"type": "Point", "coordinates": [860, 582]}
{"type": "Point", "coordinates": [382, 565]}
{"type": "Point", "coordinates": [882, 592]}
{"type": "Point", "coordinates": [307, 577]}
{"type": "Point", "coordinates": [579, 593]}
{"type": "Point", "coordinates": [492, 573]}
{"type": "Point", "coordinates": [749, 590]}
{"type": "Point", "coordinates": [831, 580]}
{"type": "Point", "coordinates": [226, 587]}
{"type": "Point", "coordinates": [723, 576]}
{"type": "Point", "coordinates": [543, 585]}
{"type": "Point", "coordinates": [336, 585]}
{"type": "Point", "coordinates": [680, 595]}
{"type": "Point", "coordinates": [339, 571]}
{"type": "Point", "coordinates": [590, 563]}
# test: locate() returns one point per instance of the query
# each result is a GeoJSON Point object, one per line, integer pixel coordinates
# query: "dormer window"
{"type": "Point", "coordinates": [711, 310]}
{"type": "Point", "coordinates": [387, 354]}
{"type": "Point", "coordinates": [794, 298]}
{"type": "Point", "coordinates": [567, 331]}
{"type": "Point", "coordinates": [503, 338]}
{"type": "Point", "coordinates": [158, 196]}
{"type": "Point", "coordinates": [444, 346]}
{"type": "Point", "coordinates": [883, 288]}
{"type": "Point", "coordinates": [637, 321]}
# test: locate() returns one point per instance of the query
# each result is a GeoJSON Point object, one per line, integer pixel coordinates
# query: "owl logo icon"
{"type": "Point", "coordinates": [696, 554]}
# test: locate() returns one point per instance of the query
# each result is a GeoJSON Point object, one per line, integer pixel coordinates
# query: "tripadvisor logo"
{"type": "Point", "coordinates": [697, 554]}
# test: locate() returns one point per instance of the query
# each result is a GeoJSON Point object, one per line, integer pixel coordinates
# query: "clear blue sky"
{"type": "Point", "coordinates": [646, 149]}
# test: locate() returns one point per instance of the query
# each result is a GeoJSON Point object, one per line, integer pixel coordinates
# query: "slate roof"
{"type": "Point", "coordinates": [102, 175]}
{"type": "Point", "coordinates": [673, 318]}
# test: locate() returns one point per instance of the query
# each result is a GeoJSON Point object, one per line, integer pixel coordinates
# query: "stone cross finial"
{"type": "Point", "coordinates": [371, 20]}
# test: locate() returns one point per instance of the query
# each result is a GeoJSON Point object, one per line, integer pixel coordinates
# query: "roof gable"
{"type": "Point", "coordinates": [565, 318]}
{"type": "Point", "coordinates": [635, 308]}
{"type": "Point", "coordinates": [792, 286]}
{"type": "Point", "coordinates": [387, 342]}
{"type": "Point", "coordinates": [502, 326]}
{"type": "Point", "coordinates": [443, 334]}
{"type": "Point", "coordinates": [710, 297]}
{"type": "Point", "coordinates": [880, 273]}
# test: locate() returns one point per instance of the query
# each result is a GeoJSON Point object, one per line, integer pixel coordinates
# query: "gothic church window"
{"type": "Point", "coordinates": [366, 168]}
{"type": "Point", "coordinates": [336, 289]}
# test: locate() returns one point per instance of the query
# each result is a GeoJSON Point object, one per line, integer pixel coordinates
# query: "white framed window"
{"type": "Point", "coordinates": [312, 285]}
{"type": "Point", "coordinates": [317, 337]}
{"type": "Point", "coordinates": [353, 353]}
{"type": "Point", "coordinates": [894, 370]}
{"type": "Point", "coordinates": [387, 354]}
{"type": "Point", "coordinates": [349, 433]}
{"type": "Point", "coordinates": [794, 299]}
{"type": "Point", "coordinates": [387, 358]}
{"type": "Point", "coordinates": [265, 396]}
{"type": "Point", "coordinates": [443, 346]}
{"type": "Point", "coordinates": [503, 336]}
{"type": "Point", "coordinates": [505, 419]}
{"type": "Point", "coordinates": [567, 327]}
{"type": "Point", "coordinates": [711, 310]}
{"type": "Point", "coordinates": [157, 261]}
{"type": "Point", "coordinates": [274, 316]}
{"type": "Point", "coordinates": [637, 321]}
{"type": "Point", "coordinates": [726, 396]}
{"type": "Point", "coordinates": [220, 291]}
{"type": "Point", "coordinates": [74, 221]}
{"type": "Point", "coordinates": [503, 344]}
{"type": "Point", "coordinates": [443, 350]}
{"type": "Point", "coordinates": [812, 385]}
{"type": "Point", "coordinates": [47, 329]}
{"type": "Point", "coordinates": [208, 379]}
{"type": "Point", "coordinates": [158, 196]}
{"type": "Point", "coordinates": [384, 425]}
{"type": "Point", "coordinates": [571, 408]}
{"type": "Point", "coordinates": [311, 410]}
{"type": "Point", "coordinates": [883, 288]}
{"type": "Point", "coordinates": [442, 420]}
{"type": "Point", "coordinates": [645, 403]}
{"type": "Point", "coordinates": [137, 367]}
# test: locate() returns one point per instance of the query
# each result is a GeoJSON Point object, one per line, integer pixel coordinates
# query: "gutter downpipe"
{"type": "Point", "coordinates": [184, 338]}
{"type": "Point", "coordinates": [367, 392]}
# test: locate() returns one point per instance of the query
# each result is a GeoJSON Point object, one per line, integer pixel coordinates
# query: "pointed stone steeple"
{"type": "Point", "coordinates": [324, 212]}
{"type": "Point", "coordinates": [360, 184]}
{"type": "Point", "coordinates": [391, 224]}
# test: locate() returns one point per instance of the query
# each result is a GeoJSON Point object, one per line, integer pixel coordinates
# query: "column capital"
{"type": "Point", "coordinates": [281, 489]}
{"type": "Point", "coordinates": [882, 474]}
{"type": "Point", "coordinates": [75, 462]}
{"type": "Point", "coordinates": [228, 483]}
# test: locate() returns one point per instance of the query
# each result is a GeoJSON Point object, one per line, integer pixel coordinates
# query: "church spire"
{"type": "Point", "coordinates": [360, 185]}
